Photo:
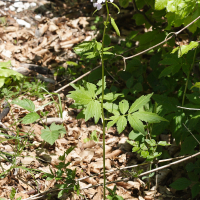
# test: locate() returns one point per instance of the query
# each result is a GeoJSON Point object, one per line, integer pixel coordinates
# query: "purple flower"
{"type": "Point", "coordinates": [98, 3]}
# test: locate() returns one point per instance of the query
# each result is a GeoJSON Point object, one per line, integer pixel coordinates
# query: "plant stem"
{"type": "Point", "coordinates": [102, 110]}
{"type": "Point", "coordinates": [186, 85]}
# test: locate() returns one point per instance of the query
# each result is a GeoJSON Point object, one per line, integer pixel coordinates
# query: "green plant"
{"type": "Point", "coordinates": [22, 86]}
{"type": "Point", "coordinates": [12, 195]}
{"type": "Point", "coordinates": [113, 195]}
{"type": "Point", "coordinates": [7, 75]}
{"type": "Point", "coordinates": [65, 178]}
{"type": "Point", "coordinates": [93, 105]}
{"type": "Point", "coordinates": [49, 135]}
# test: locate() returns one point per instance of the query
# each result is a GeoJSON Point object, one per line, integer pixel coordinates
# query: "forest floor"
{"type": "Point", "coordinates": [36, 48]}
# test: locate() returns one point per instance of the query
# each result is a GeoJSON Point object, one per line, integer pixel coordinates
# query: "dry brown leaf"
{"type": "Point", "coordinates": [3, 181]}
{"type": "Point", "coordinates": [114, 154]}
{"type": "Point", "coordinates": [91, 181]}
{"type": "Point", "coordinates": [22, 195]}
{"type": "Point", "coordinates": [99, 151]}
{"type": "Point", "coordinates": [87, 155]}
{"type": "Point", "coordinates": [98, 195]}
{"type": "Point", "coordinates": [43, 28]}
{"type": "Point", "coordinates": [41, 52]}
{"type": "Point", "coordinates": [129, 185]}
{"type": "Point", "coordinates": [83, 21]}
{"type": "Point", "coordinates": [28, 160]}
{"type": "Point", "coordinates": [73, 23]}
{"type": "Point", "coordinates": [64, 35]}
{"type": "Point", "coordinates": [9, 29]}
{"type": "Point", "coordinates": [113, 140]}
{"type": "Point", "coordinates": [70, 42]}
{"type": "Point", "coordinates": [89, 144]}
{"type": "Point", "coordinates": [52, 27]}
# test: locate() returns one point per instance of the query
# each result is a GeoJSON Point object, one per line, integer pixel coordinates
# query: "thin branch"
{"type": "Point", "coordinates": [62, 88]}
{"type": "Point", "coordinates": [191, 133]}
{"type": "Point", "coordinates": [176, 33]}
{"type": "Point", "coordinates": [188, 108]}
{"type": "Point", "coordinates": [142, 13]}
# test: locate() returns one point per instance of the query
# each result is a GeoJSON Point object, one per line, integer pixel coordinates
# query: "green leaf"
{"type": "Point", "coordinates": [140, 102]}
{"type": "Point", "coordinates": [195, 189]}
{"type": "Point", "coordinates": [135, 136]}
{"type": "Point", "coordinates": [2, 81]}
{"type": "Point", "coordinates": [181, 184]}
{"type": "Point", "coordinates": [72, 63]}
{"type": "Point", "coordinates": [30, 118]}
{"type": "Point", "coordinates": [143, 147]}
{"type": "Point", "coordinates": [149, 117]}
{"type": "Point", "coordinates": [196, 85]}
{"type": "Point", "coordinates": [151, 142]}
{"type": "Point", "coordinates": [136, 124]}
{"type": "Point", "coordinates": [117, 197]}
{"type": "Point", "coordinates": [91, 88]}
{"type": "Point", "coordinates": [5, 64]}
{"type": "Point", "coordinates": [81, 96]}
{"type": "Point", "coordinates": [121, 124]}
{"type": "Point", "coordinates": [190, 167]}
{"type": "Point", "coordinates": [144, 154]}
{"type": "Point", "coordinates": [114, 26]}
{"type": "Point", "coordinates": [123, 106]}
{"type": "Point", "coordinates": [163, 143]}
{"type": "Point", "coordinates": [107, 53]}
{"type": "Point", "coordinates": [4, 72]}
{"type": "Point", "coordinates": [25, 103]}
{"type": "Point", "coordinates": [114, 120]}
{"type": "Point", "coordinates": [12, 194]}
{"type": "Point", "coordinates": [160, 4]}
{"type": "Point", "coordinates": [111, 107]}
{"type": "Point", "coordinates": [93, 109]}
{"type": "Point", "coordinates": [83, 47]}
{"type": "Point", "coordinates": [185, 48]}
{"type": "Point", "coordinates": [134, 149]}
{"type": "Point", "coordinates": [124, 3]}
{"type": "Point", "coordinates": [93, 136]}
{"type": "Point", "coordinates": [98, 45]}
{"type": "Point", "coordinates": [170, 70]}
{"type": "Point", "coordinates": [111, 96]}
{"type": "Point", "coordinates": [51, 134]}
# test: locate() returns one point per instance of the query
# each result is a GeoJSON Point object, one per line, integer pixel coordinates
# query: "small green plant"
{"type": "Point", "coordinates": [113, 195]}
{"type": "Point", "coordinates": [49, 134]}
{"type": "Point", "coordinates": [12, 195]}
{"type": "Point", "coordinates": [65, 178]}
{"type": "Point", "coordinates": [6, 74]}
{"type": "Point", "coordinates": [93, 137]}
{"type": "Point", "coordinates": [22, 86]}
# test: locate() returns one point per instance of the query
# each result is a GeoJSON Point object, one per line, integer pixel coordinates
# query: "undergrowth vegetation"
{"type": "Point", "coordinates": [141, 87]}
